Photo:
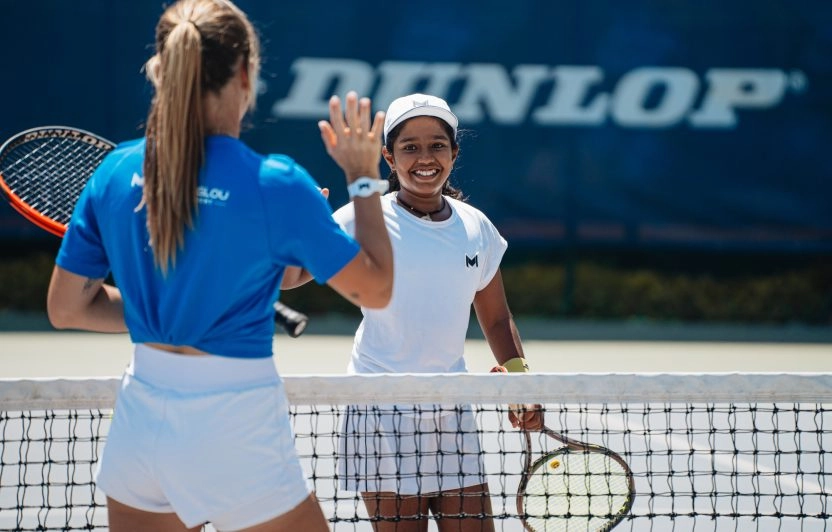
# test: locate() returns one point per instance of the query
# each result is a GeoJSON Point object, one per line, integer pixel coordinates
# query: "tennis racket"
{"type": "Point", "coordinates": [579, 486]}
{"type": "Point", "coordinates": [43, 171]}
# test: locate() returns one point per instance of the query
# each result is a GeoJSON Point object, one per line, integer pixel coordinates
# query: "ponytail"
{"type": "Point", "coordinates": [200, 46]}
{"type": "Point", "coordinates": [175, 143]}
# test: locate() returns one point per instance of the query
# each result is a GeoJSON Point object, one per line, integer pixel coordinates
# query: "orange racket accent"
{"type": "Point", "coordinates": [43, 171]}
{"type": "Point", "coordinates": [56, 228]}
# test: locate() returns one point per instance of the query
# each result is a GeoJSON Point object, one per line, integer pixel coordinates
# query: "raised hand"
{"type": "Point", "coordinates": [349, 137]}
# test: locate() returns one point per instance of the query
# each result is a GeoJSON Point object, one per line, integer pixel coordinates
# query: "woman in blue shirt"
{"type": "Point", "coordinates": [197, 230]}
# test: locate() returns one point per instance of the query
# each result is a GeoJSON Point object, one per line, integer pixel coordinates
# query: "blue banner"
{"type": "Point", "coordinates": [691, 125]}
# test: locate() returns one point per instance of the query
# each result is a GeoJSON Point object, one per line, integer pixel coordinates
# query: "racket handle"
{"type": "Point", "coordinates": [292, 321]}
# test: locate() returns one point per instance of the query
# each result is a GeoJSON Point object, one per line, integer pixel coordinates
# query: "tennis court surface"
{"type": "Point", "coordinates": [737, 438]}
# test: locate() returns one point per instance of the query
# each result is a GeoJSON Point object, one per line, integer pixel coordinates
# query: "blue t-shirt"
{"type": "Point", "coordinates": [257, 214]}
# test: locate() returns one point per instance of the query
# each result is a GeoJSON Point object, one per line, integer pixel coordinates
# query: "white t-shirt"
{"type": "Point", "coordinates": [438, 269]}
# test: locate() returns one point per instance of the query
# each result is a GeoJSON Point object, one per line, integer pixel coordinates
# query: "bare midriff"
{"type": "Point", "coordinates": [178, 349]}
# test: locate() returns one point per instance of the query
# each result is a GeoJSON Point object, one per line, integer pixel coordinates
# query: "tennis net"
{"type": "Point", "coordinates": [707, 451]}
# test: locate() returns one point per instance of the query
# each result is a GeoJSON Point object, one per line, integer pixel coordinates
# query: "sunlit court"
{"type": "Point", "coordinates": [712, 443]}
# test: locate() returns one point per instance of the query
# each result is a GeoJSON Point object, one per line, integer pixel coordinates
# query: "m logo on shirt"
{"type": "Point", "coordinates": [472, 262]}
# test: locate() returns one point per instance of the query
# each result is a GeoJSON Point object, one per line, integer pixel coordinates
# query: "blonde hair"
{"type": "Point", "coordinates": [199, 46]}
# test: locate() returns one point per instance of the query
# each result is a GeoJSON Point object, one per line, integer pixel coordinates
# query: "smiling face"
{"type": "Point", "coordinates": [423, 156]}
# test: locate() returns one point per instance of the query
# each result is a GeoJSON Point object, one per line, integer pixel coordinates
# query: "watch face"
{"type": "Point", "coordinates": [364, 187]}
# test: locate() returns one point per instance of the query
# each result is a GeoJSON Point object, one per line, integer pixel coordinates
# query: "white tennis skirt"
{"type": "Point", "coordinates": [206, 437]}
{"type": "Point", "coordinates": [396, 449]}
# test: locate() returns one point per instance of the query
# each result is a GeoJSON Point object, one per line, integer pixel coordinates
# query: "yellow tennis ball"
{"type": "Point", "coordinates": [554, 464]}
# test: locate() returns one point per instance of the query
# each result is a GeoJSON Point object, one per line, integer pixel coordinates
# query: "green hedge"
{"type": "Point", "coordinates": [591, 289]}
{"type": "Point", "coordinates": [602, 292]}
{"type": "Point", "coordinates": [24, 281]}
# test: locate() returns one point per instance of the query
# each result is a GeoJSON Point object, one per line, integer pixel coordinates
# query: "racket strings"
{"type": "Point", "coordinates": [48, 175]}
{"type": "Point", "coordinates": [575, 490]}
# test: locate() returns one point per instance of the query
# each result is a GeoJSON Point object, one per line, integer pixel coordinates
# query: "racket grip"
{"type": "Point", "coordinates": [292, 321]}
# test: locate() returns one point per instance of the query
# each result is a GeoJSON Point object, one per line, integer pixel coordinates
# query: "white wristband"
{"type": "Point", "coordinates": [364, 187]}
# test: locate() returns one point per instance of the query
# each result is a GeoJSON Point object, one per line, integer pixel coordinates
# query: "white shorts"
{"type": "Point", "coordinates": [395, 450]}
{"type": "Point", "coordinates": [206, 437]}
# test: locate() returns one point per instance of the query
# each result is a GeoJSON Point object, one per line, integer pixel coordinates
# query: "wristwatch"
{"type": "Point", "coordinates": [364, 187]}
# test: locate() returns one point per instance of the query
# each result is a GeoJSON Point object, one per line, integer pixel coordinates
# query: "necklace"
{"type": "Point", "coordinates": [421, 214]}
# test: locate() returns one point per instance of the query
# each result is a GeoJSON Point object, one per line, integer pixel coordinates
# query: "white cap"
{"type": "Point", "coordinates": [418, 105]}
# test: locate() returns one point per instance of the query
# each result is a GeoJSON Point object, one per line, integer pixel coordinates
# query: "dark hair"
{"type": "Point", "coordinates": [447, 189]}
{"type": "Point", "coordinates": [200, 44]}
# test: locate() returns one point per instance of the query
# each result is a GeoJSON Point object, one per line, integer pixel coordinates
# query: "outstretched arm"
{"type": "Point", "coordinates": [353, 140]}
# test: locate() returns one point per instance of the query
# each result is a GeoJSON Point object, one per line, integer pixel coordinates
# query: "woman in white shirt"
{"type": "Point", "coordinates": [446, 258]}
